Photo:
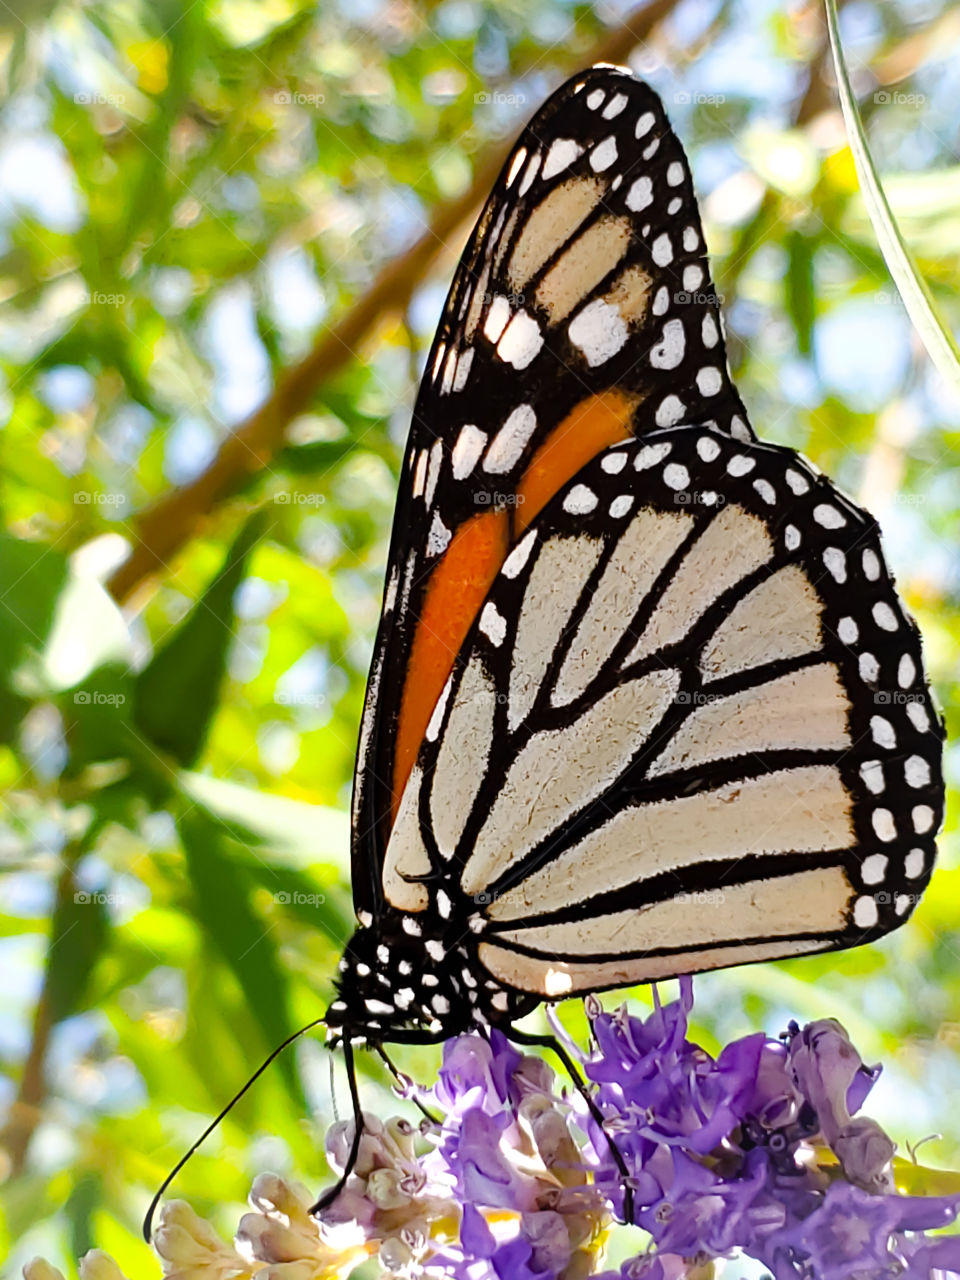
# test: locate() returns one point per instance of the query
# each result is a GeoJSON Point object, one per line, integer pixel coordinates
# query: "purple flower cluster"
{"type": "Point", "coordinates": [758, 1150]}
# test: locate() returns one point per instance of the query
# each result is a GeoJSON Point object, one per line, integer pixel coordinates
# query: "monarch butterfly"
{"type": "Point", "coordinates": [644, 700]}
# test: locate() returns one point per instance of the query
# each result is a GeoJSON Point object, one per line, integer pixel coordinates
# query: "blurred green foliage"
{"type": "Point", "coordinates": [191, 193]}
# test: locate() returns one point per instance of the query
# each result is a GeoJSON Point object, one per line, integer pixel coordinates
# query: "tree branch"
{"type": "Point", "coordinates": [162, 529]}
{"type": "Point", "coordinates": [26, 1111]}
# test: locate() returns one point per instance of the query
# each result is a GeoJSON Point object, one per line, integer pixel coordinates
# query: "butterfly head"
{"type": "Point", "coordinates": [410, 972]}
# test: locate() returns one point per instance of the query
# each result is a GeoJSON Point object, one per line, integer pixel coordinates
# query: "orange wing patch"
{"type": "Point", "coordinates": [457, 589]}
{"type": "Point", "coordinates": [459, 584]}
{"type": "Point", "coordinates": [591, 426]}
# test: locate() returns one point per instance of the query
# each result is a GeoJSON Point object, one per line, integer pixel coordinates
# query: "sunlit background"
{"type": "Point", "coordinates": [194, 199]}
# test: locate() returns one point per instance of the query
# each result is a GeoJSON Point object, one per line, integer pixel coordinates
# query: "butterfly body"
{"type": "Point", "coordinates": [417, 972]}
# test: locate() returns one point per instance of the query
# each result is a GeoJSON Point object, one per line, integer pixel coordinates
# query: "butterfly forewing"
{"type": "Point", "coordinates": [689, 728]}
{"type": "Point", "coordinates": [582, 314]}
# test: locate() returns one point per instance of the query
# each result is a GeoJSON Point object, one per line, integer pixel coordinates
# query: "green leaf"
{"type": "Point", "coordinates": [222, 890]}
{"type": "Point", "coordinates": [77, 938]}
{"type": "Point", "coordinates": [918, 1180]}
{"type": "Point", "coordinates": [176, 694]}
{"type": "Point", "coordinates": [31, 579]}
{"type": "Point", "coordinates": [309, 831]}
{"type": "Point", "coordinates": [916, 295]}
{"type": "Point", "coordinates": [96, 716]}
{"type": "Point", "coordinates": [80, 1208]}
{"type": "Point", "coordinates": [800, 288]}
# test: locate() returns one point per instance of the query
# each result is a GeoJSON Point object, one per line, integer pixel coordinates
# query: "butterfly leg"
{"type": "Point", "coordinates": [552, 1043]}
{"type": "Point", "coordinates": [328, 1197]}
{"type": "Point", "coordinates": [403, 1082]}
{"type": "Point", "coordinates": [407, 1037]}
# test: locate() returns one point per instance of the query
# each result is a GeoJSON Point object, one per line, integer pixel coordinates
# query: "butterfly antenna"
{"type": "Point", "coordinates": [148, 1219]}
{"type": "Point", "coordinates": [328, 1197]}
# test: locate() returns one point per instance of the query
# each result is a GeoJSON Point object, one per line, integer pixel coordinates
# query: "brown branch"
{"type": "Point", "coordinates": [27, 1109]}
{"type": "Point", "coordinates": [162, 529]}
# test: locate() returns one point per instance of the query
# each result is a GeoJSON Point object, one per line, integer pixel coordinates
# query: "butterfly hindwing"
{"type": "Point", "coordinates": [582, 313]}
{"type": "Point", "coordinates": [689, 728]}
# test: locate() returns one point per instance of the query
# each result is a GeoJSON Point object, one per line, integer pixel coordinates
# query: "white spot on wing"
{"type": "Point", "coordinates": [865, 913]}
{"type": "Point", "coordinates": [436, 718]}
{"type": "Point", "coordinates": [599, 331]}
{"type": "Point", "coordinates": [670, 410]}
{"type": "Point", "coordinates": [467, 450]}
{"type": "Point", "coordinates": [511, 440]}
{"type": "Point", "coordinates": [603, 155]}
{"type": "Point", "coordinates": [463, 369]}
{"type": "Point", "coordinates": [519, 556]}
{"type": "Point", "coordinates": [561, 155]}
{"type": "Point", "coordinates": [640, 195]}
{"type": "Point", "coordinates": [614, 106]}
{"type": "Point", "coordinates": [874, 868]}
{"type": "Point", "coordinates": [650, 455]}
{"type": "Point", "coordinates": [433, 472]}
{"type": "Point", "coordinates": [662, 250]}
{"type": "Point", "coordinates": [497, 318]}
{"type": "Point", "coordinates": [529, 176]}
{"type": "Point", "coordinates": [668, 352]}
{"type": "Point", "coordinates": [517, 165]}
{"type": "Point", "coordinates": [884, 616]}
{"type": "Point", "coordinates": [521, 341]}
{"type": "Point", "coordinates": [828, 516]}
{"type": "Point", "coordinates": [580, 500]}
{"type": "Point", "coordinates": [439, 537]}
{"type": "Point", "coordinates": [493, 624]}
{"type": "Point", "coordinates": [644, 124]}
